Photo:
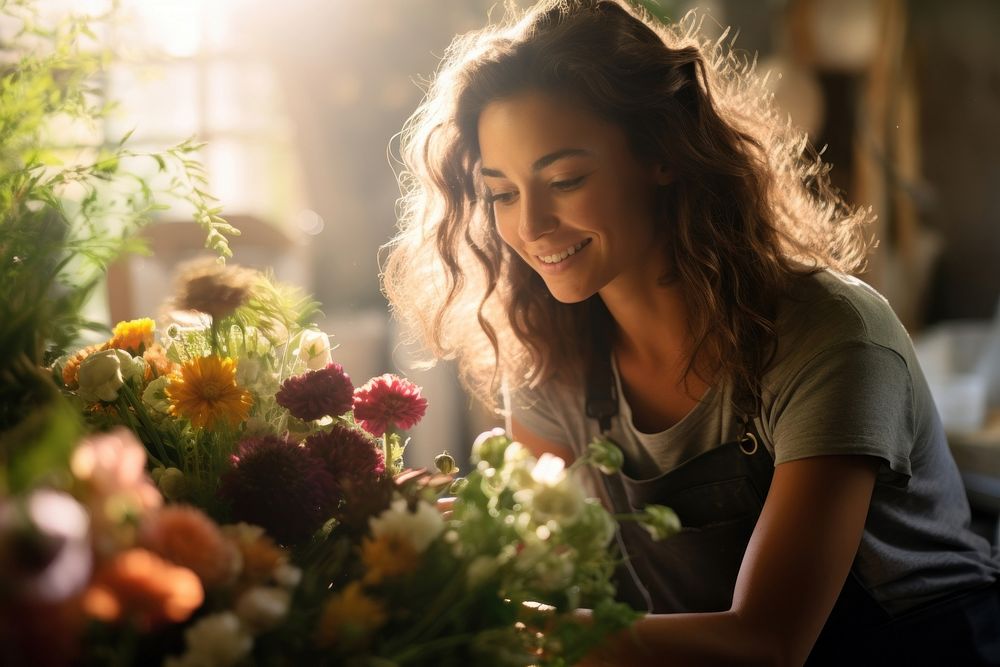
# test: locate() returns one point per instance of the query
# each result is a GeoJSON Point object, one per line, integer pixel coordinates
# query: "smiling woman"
{"type": "Point", "coordinates": [609, 218]}
{"type": "Point", "coordinates": [582, 214]}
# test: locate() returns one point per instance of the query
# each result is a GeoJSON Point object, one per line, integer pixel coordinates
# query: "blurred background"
{"type": "Point", "coordinates": [300, 101]}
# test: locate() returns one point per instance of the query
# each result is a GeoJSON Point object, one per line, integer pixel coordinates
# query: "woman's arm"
{"type": "Point", "coordinates": [537, 445]}
{"type": "Point", "coordinates": [794, 568]}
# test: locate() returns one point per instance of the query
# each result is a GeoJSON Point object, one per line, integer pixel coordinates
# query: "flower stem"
{"type": "Point", "coordinates": [431, 647]}
{"type": "Point", "coordinates": [148, 429]}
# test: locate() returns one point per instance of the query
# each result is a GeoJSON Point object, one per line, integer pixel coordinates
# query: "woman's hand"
{"type": "Point", "coordinates": [445, 505]}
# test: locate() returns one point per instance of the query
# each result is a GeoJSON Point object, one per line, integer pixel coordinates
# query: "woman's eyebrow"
{"type": "Point", "coordinates": [543, 161]}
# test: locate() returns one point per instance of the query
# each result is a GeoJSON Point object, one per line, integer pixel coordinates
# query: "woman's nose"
{"type": "Point", "coordinates": [537, 219]}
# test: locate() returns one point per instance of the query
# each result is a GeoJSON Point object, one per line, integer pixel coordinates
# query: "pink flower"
{"type": "Point", "coordinates": [386, 401]}
{"type": "Point", "coordinates": [317, 394]}
{"type": "Point", "coordinates": [114, 463]}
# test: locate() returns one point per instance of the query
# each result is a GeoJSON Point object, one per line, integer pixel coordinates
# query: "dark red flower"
{"type": "Point", "coordinates": [388, 400]}
{"type": "Point", "coordinates": [355, 461]}
{"type": "Point", "coordinates": [280, 486]}
{"type": "Point", "coordinates": [326, 392]}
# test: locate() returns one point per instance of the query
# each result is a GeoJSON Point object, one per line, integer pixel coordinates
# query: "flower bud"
{"type": "Point", "coordinates": [458, 486]}
{"type": "Point", "coordinates": [445, 463]}
{"type": "Point", "coordinates": [661, 522]}
{"type": "Point", "coordinates": [101, 375]}
{"type": "Point", "coordinates": [490, 447]}
{"type": "Point", "coordinates": [314, 349]}
{"type": "Point", "coordinates": [171, 483]}
{"type": "Point", "coordinates": [606, 455]}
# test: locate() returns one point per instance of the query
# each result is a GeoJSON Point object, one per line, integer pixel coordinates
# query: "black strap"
{"type": "Point", "coordinates": [602, 394]}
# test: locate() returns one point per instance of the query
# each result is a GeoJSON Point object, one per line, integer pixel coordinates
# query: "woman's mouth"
{"type": "Point", "coordinates": [560, 257]}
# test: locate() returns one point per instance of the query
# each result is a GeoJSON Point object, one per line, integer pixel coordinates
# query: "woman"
{"type": "Point", "coordinates": [609, 219]}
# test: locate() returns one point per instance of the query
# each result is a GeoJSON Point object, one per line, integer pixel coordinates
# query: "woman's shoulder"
{"type": "Point", "coordinates": [827, 309]}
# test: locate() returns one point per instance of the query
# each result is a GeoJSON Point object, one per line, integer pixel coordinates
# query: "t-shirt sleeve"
{"type": "Point", "coordinates": [538, 411]}
{"type": "Point", "coordinates": [853, 398]}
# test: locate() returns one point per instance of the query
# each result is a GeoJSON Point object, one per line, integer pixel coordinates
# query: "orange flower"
{"type": "Point", "coordinates": [134, 336]}
{"type": "Point", "coordinates": [143, 587]}
{"type": "Point", "coordinates": [71, 369]}
{"type": "Point", "coordinates": [187, 537]}
{"type": "Point", "coordinates": [206, 393]}
{"type": "Point", "coordinates": [157, 363]}
{"type": "Point", "coordinates": [349, 617]}
{"type": "Point", "coordinates": [261, 556]}
{"type": "Point", "coordinates": [387, 556]}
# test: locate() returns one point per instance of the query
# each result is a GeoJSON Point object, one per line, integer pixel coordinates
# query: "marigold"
{"type": "Point", "coordinates": [143, 587]}
{"type": "Point", "coordinates": [388, 400]}
{"type": "Point", "coordinates": [71, 369]}
{"type": "Point", "coordinates": [387, 556]}
{"type": "Point", "coordinates": [206, 393]}
{"type": "Point", "coordinates": [186, 536]}
{"type": "Point", "coordinates": [134, 336]}
{"type": "Point", "coordinates": [349, 618]}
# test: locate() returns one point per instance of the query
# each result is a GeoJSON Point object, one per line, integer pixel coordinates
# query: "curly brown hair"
{"type": "Point", "coordinates": [751, 205]}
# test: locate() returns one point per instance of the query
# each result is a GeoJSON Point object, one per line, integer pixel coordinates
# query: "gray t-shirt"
{"type": "Point", "coordinates": [844, 380]}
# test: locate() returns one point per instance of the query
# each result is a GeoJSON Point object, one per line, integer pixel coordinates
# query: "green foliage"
{"type": "Point", "coordinates": [66, 212]}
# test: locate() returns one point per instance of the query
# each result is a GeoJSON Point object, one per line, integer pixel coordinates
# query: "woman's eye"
{"type": "Point", "coordinates": [500, 197]}
{"type": "Point", "coordinates": [568, 184]}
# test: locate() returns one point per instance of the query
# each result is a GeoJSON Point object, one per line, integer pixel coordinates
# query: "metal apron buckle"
{"type": "Point", "coordinates": [748, 444]}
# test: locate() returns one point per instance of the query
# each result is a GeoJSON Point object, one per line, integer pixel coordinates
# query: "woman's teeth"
{"type": "Point", "coordinates": [558, 257]}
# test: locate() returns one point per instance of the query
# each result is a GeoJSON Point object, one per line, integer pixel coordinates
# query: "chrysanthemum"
{"type": "Point", "coordinates": [280, 486]}
{"type": "Point", "coordinates": [317, 394]}
{"type": "Point", "coordinates": [134, 336]}
{"type": "Point", "coordinates": [355, 460]}
{"type": "Point", "coordinates": [348, 452]}
{"type": "Point", "coordinates": [388, 400]}
{"type": "Point", "coordinates": [216, 289]}
{"type": "Point", "coordinates": [349, 618]}
{"type": "Point", "coordinates": [187, 537]}
{"type": "Point", "coordinates": [206, 393]}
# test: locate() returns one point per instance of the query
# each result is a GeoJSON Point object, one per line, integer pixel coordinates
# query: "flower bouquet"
{"type": "Point", "coordinates": [277, 525]}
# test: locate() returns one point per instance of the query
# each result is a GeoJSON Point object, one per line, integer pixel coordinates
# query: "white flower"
{"type": "Point", "coordinates": [420, 528]}
{"type": "Point", "coordinates": [155, 395]}
{"type": "Point", "coordinates": [103, 373]}
{"type": "Point", "coordinates": [314, 349]}
{"type": "Point", "coordinates": [554, 496]}
{"type": "Point", "coordinates": [247, 371]}
{"type": "Point", "coordinates": [218, 640]}
{"type": "Point", "coordinates": [480, 570]}
{"type": "Point", "coordinates": [263, 607]}
{"type": "Point", "coordinates": [287, 575]}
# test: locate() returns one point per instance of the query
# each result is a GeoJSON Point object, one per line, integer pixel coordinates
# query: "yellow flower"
{"type": "Point", "coordinates": [205, 392]}
{"type": "Point", "coordinates": [135, 336]}
{"type": "Point", "coordinates": [349, 618]}
{"type": "Point", "coordinates": [387, 556]}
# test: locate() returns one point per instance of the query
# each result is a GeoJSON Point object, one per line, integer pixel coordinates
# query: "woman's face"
{"type": "Point", "coordinates": [569, 196]}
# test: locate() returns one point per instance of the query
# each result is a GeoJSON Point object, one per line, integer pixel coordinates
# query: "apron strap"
{"type": "Point", "coordinates": [602, 394]}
